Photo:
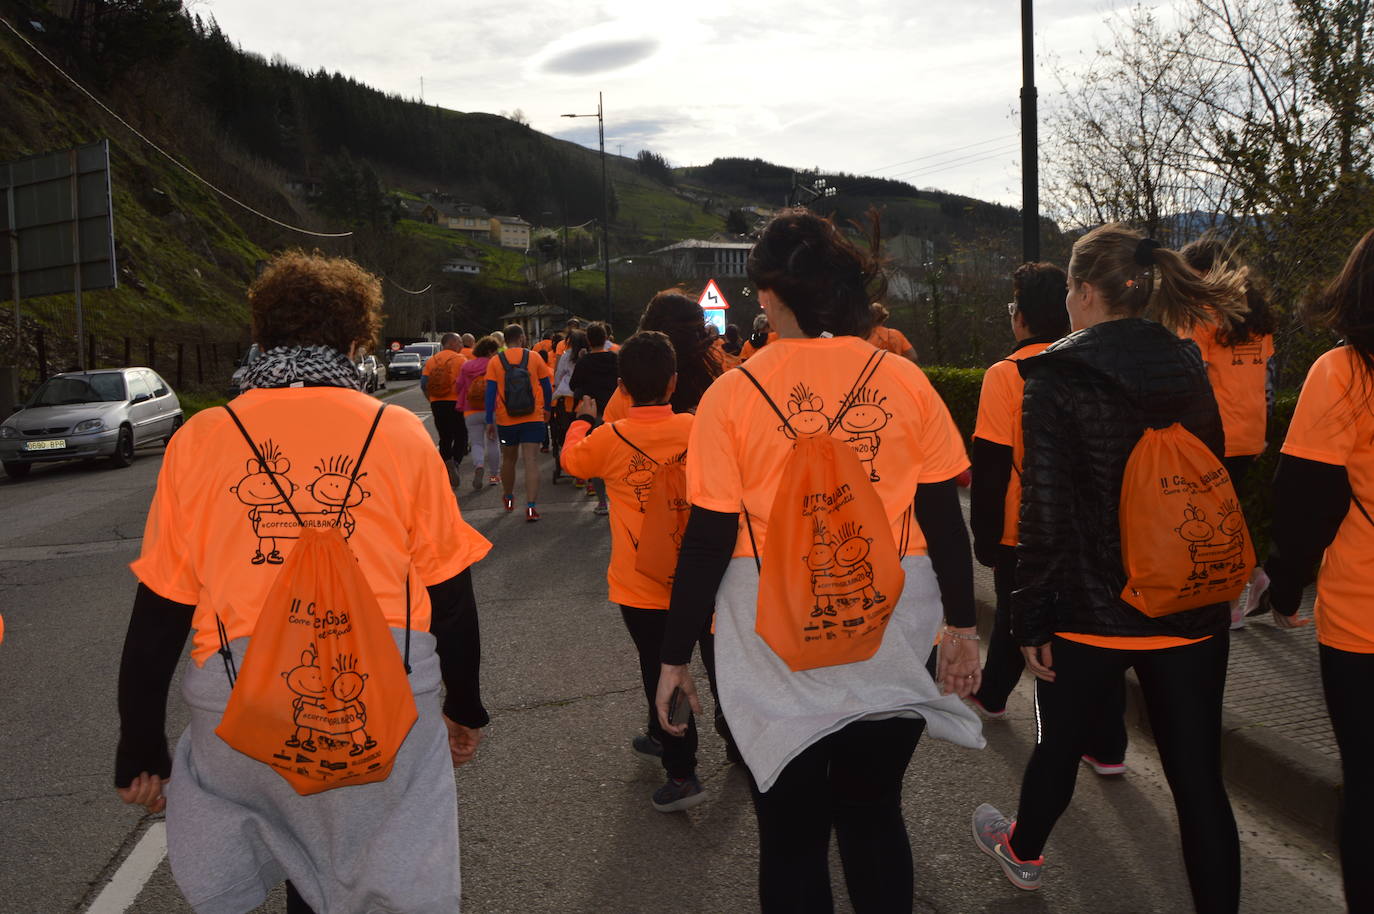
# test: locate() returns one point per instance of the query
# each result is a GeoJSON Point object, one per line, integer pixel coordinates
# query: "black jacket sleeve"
{"type": "Point", "coordinates": [152, 647]}
{"type": "Point", "coordinates": [1047, 485]}
{"type": "Point", "coordinates": [992, 469]}
{"type": "Point", "coordinates": [707, 545]}
{"type": "Point", "coordinates": [942, 521]}
{"type": "Point", "coordinates": [1311, 500]}
{"type": "Point", "coordinates": [459, 646]}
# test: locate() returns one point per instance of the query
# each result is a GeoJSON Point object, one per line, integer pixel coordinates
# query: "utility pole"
{"type": "Point", "coordinates": [605, 197]}
{"type": "Point", "coordinates": [1030, 146]}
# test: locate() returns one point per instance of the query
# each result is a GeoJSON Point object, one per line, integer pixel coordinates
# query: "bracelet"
{"type": "Point", "coordinates": [951, 633]}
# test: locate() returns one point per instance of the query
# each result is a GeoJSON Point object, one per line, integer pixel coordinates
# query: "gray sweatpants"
{"type": "Point", "coordinates": [235, 828]}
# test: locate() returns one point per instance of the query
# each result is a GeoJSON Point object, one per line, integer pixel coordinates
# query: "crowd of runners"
{"type": "Point", "coordinates": [787, 499]}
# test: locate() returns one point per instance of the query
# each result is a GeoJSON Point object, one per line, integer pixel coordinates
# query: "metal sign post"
{"type": "Point", "coordinates": [59, 216]}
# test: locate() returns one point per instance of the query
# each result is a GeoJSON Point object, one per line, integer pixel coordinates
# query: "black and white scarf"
{"type": "Point", "coordinates": [301, 366]}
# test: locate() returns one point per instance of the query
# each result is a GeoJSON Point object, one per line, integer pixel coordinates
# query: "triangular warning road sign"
{"type": "Point", "coordinates": [711, 299]}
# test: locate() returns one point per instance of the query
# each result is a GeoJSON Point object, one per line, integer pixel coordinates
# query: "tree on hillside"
{"type": "Point", "coordinates": [656, 167]}
{"type": "Point", "coordinates": [737, 223]}
{"type": "Point", "coordinates": [352, 193]}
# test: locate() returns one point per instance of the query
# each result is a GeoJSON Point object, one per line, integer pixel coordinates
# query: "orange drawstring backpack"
{"type": "Point", "coordinates": [830, 574]}
{"type": "Point", "coordinates": [1184, 542]}
{"type": "Point", "coordinates": [666, 510]}
{"type": "Point", "coordinates": [323, 697]}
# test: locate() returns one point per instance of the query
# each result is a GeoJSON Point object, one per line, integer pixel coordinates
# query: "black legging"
{"type": "Point", "coordinates": [1348, 679]}
{"type": "Point", "coordinates": [850, 781]}
{"type": "Point", "coordinates": [1004, 664]}
{"type": "Point", "coordinates": [1183, 688]}
{"type": "Point", "coordinates": [1238, 468]}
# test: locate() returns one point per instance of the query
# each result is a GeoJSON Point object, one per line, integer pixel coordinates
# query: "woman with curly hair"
{"type": "Point", "coordinates": [218, 530]}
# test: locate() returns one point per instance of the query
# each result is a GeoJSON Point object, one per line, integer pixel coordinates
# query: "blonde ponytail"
{"type": "Point", "coordinates": [1139, 278]}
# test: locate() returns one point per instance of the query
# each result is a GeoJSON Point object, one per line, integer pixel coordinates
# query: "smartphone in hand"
{"type": "Point", "coordinates": [679, 708]}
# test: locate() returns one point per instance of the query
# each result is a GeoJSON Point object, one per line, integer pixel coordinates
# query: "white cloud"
{"type": "Point", "coordinates": [852, 86]}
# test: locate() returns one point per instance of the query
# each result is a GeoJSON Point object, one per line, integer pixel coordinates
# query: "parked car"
{"type": "Point", "coordinates": [86, 414]}
{"type": "Point", "coordinates": [371, 373]}
{"type": "Point", "coordinates": [424, 349]}
{"type": "Point", "coordinates": [405, 365]}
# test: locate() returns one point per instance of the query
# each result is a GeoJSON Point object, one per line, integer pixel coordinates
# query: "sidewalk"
{"type": "Point", "coordinates": [1277, 743]}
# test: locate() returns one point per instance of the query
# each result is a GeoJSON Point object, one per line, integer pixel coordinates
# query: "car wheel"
{"type": "Point", "coordinates": [17, 470]}
{"type": "Point", "coordinates": [124, 448]}
{"type": "Point", "coordinates": [176, 424]}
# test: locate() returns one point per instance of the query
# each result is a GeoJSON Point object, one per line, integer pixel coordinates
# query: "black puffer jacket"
{"type": "Point", "coordinates": [1088, 400]}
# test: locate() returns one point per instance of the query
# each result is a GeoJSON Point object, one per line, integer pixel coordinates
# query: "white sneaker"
{"type": "Point", "coordinates": [1258, 587]}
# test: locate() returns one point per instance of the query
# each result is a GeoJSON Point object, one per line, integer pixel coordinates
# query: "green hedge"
{"type": "Point", "coordinates": [960, 387]}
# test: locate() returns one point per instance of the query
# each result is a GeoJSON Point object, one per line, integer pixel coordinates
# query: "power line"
{"type": "Point", "coordinates": [165, 153]}
{"type": "Point", "coordinates": [409, 291]}
{"type": "Point", "coordinates": [958, 160]}
{"type": "Point", "coordinates": [933, 155]}
{"type": "Point", "coordinates": [974, 161]}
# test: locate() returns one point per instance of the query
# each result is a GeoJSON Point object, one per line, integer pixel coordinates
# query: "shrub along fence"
{"type": "Point", "coordinates": [960, 387]}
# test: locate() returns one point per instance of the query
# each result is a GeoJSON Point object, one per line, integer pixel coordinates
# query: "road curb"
{"type": "Point", "coordinates": [1287, 777]}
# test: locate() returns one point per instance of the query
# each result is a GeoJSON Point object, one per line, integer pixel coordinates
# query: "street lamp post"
{"type": "Point", "coordinates": [806, 194]}
{"type": "Point", "coordinates": [605, 198]}
{"type": "Point", "coordinates": [1030, 164]}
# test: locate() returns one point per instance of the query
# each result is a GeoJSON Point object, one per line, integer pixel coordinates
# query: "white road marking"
{"type": "Point", "coordinates": [133, 874]}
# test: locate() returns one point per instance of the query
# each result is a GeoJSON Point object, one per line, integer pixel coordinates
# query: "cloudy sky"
{"type": "Point", "coordinates": [923, 90]}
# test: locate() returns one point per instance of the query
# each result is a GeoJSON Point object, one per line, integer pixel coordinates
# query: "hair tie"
{"type": "Point", "coordinates": [1145, 252]}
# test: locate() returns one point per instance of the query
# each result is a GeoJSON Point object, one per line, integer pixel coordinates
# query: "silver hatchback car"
{"type": "Point", "coordinates": [78, 414]}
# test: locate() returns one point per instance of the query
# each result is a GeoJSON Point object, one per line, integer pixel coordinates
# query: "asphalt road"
{"type": "Point", "coordinates": [555, 812]}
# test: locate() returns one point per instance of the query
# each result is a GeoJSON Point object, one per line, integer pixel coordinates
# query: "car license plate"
{"type": "Point", "coordinates": [55, 444]}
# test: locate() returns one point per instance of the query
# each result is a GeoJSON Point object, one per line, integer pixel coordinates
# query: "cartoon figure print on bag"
{"type": "Point", "coordinates": [1209, 554]}
{"type": "Point", "coordinates": [306, 682]}
{"type": "Point", "coordinates": [852, 556]}
{"type": "Point", "coordinates": [863, 419]}
{"type": "Point", "coordinates": [257, 491]}
{"type": "Point", "coordinates": [272, 519]}
{"type": "Point", "coordinates": [840, 571]}
{"type": "Point", "coordinates": [334, 716]}
{"type": "Point", "coordinates": [820, 560]}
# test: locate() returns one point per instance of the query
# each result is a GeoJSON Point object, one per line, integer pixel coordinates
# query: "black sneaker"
{"type": "Point", "coordinates": [678, 794]}
{"type": "Point", "coordinates": [647, 747]}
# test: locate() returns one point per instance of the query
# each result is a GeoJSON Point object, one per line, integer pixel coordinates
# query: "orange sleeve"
{"type": "Point", "coordinates": [1323, 428]}
{"type": "Point", "coordinates": [713, 472]}
{"type": "Point", "coordinates": [617, 408]}
{"type": "Point", "coordinates": [442, 544]}
{"type": "Point", "coordinates": [942, 446]}
{"type": "Point", "coordinates": [995, 404]}
{"type": "Point", "coordinates": [494, 372]}
{"type": "Point", "coordinates": [165, 564]}
{"type": "Point", "coordinates": [900, 344]}
{"type": "Point", "coordinates": [585, 450]}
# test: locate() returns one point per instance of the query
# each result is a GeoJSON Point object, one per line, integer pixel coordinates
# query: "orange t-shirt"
{"type": "Point", "coordinates": [1128, 643]}
{"type": "Point", "coordinates": [749, 348]}
{"type": "Point", "coordinates": [442, 371]}
{"type": "Point", "coordinates": [897, 424]}
{"type": "Point", "coordinates": [545, 348]}
{"type": "Point", "coordinates": [618, 407]}
{"type": "Point", "coordinates": [1334, 423]}
{"type": "Point", "coordinates": [537, 368]}
{"type": "Point", "coordinates": [660, 433]}
{"type": "Point", "coordinates": [891, 339]}
{"type": "Point", "coordinates": [999, 421]}
{"type": "Point", "coordinates": [218, 530]}
{"type": "Point", "coordinates": [1238, 375]}
{"type": "Point", "coordinates": [466, 352]}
